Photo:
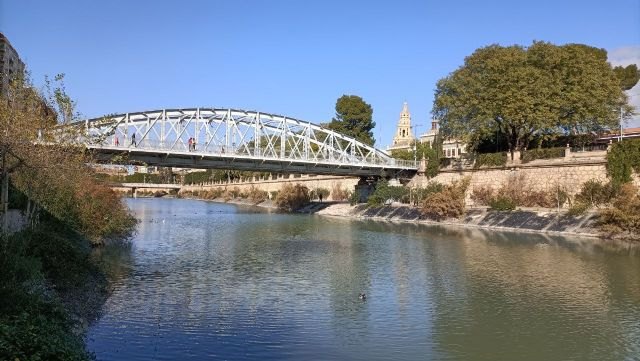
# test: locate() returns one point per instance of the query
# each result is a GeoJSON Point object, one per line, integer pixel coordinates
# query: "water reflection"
{"type": "Point", "coordinates": [203, 280]}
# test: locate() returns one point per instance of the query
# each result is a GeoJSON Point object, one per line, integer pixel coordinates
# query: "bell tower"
{"type": "Point", "coordinates": [404, 136]}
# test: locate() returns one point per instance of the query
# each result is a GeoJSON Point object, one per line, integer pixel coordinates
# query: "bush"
{"type": "Point", "coordinates": [490, 160]}
{"type": "Point", "coordinates": [578, 208]}
{"type": "Point", "coordinates": [482, 195]}
{"type": "Point", "coordinates": [448, 203]}
{"type": "Point", "coordinates": [34, 324]}
{"type": "Point", "coordinates": [542, 153]}
{"type": "Point", "coordinates": [517, 191]}
{"type": "Point", "coordinates": [623, 218]}
{"type": "Point", "coordinates": [292, 197]}
{"type": "Point", "coordinates": [594, 193]}
{"type": "Point", "coordinates": [502, 203]}
{"type": "Point", "coordinates": [322, 193]}
{"type": "Point", "coordinates": [622, 160]}
{"type": "Point", "coordinates": [338, 193]}
{"type": "Point", "coordinates": [257, 195]}
{"type": "Point", "coordinates": [419, 194]}
{"type": "Point", "coordinates": [384, 192]}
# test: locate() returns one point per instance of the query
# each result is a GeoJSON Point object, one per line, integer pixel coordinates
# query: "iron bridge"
{"type": "Point", "coordinates": [208, 138]}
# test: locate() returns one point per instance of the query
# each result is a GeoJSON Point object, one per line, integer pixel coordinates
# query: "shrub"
{"type": "Point", "coordinates": [578, 208]}
{"type": "Point", "coordinates": [502, 203]}
{"type": "Point", "coordinates": [384, 192]}
{"type": "Point", "coordinates": [594, 193]}
{"type": "Point", "coordinates": [274, 194]}
{"type": "Point", "coordinates": [542, 153]}
{"type": "Point", "coordinates": [324, 192]}
{"type": "Point", "coordinates": [338, 193]}
{"type": "Point", "coordinates": [490, 160]}
{"type": "Point", "coordinates": [235, 192]}
{"type": "Point", "coordinates": [482, 195]}
{"type": "Point", "coordinates": [624, 215]}
{"type": "Point", "coordinates": [622, 160]}
{"type": "Point", "coordinates": [448, 203]}
{"type": "Point", "coordinates": [292, 197]}
{"type": "Point", "coordinates": [257, 195]}
{"type": "Point", "coordinates": [419, 194]}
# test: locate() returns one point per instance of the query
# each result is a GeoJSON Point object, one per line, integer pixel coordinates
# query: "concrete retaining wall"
{"type": "Point", "coordinates": [311, 182]}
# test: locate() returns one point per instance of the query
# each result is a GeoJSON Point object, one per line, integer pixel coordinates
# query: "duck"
{"type": "Point", "coordinates": [362, 296]}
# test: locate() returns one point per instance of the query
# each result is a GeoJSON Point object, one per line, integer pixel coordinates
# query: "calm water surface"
{"type": "Point", "coordinates": [205, 281]}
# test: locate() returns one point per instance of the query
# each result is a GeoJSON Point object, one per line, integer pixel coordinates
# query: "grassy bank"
{"type": "Point", "coordinates": [49, 291]}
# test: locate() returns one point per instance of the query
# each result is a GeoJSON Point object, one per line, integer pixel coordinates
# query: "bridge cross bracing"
{"type": "Point", "coordinates": [234, 139]}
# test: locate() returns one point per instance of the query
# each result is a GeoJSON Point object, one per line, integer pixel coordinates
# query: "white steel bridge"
{"type": "Point", "coordinates": [234, 139]}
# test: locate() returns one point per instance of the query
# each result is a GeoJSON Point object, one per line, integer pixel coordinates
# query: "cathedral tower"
{"type": "Point", "coordinates": [404, 136]}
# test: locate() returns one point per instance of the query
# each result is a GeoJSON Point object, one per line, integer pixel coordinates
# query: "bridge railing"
{"type": "Point", "coordinates": [239, 152]}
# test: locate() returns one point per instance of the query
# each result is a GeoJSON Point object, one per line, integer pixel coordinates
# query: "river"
{"type": "Point", "coordinates": [208, 281]}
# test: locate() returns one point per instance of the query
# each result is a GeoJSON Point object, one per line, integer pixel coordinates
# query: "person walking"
{"type": "Point", "coordinates": [190, 143]}
{"type": "Point", "coordinates": [133, 139]}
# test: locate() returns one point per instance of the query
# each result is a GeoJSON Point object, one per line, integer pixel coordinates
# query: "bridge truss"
{"type": "Point", "coordinates": [235, 139]}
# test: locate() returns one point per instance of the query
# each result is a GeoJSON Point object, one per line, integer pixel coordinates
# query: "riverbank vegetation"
{"type": "Point", "coordinates": [448, 202]}
{"type": "Point", "coordinates": [292, 197]}
{"type": "Point", "coordinates": [47, 284]}
{"type": "Point", "coordinates": [518, 192]}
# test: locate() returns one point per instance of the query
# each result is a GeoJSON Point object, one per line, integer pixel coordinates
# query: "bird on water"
{"type": "Point", "coordinates": [362, 296]}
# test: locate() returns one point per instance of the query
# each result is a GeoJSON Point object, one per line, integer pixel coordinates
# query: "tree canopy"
{"type": "Point", "coordinates": [55, 178]}
{"type": "Point", "coordinates": [628, 76]}
{"type": "Point", "coordinates": [519, 93]}
{"type": "Point", "coordinates": [354, 118]}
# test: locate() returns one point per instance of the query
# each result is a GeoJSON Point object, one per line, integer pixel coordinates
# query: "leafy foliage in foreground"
{"type": "Point", "coordinates": [38, 267]}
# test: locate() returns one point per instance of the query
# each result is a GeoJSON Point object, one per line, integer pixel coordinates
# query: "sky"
{"type": "Point", "coordinates": [293, 58]}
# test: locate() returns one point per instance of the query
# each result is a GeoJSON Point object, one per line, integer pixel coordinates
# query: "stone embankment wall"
{"type": "Point", "coordinates": [542, 175]}
{"type": "Point", "coordinates": [273, 185]}
{"type": "Point", "coordinates": [521, 221]}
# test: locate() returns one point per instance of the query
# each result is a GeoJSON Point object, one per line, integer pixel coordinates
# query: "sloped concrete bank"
{"type": "Point", "coordinates": [532, 221]}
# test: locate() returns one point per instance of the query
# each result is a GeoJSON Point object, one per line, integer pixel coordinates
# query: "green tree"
{"type": "Point", "coordinates": [628, 76]}
{"type": "Point", "coordinates": [417, 151]}
{"type": "Point", "coordinates": [354, 118]}
{"type": "Point", "coordinates": [521, 93]}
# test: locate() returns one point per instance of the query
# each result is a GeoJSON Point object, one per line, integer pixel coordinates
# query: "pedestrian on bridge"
{"type": "Point", "coordinates": [133, 139]}
{"type": "Point", "coordinates": [190, 143]}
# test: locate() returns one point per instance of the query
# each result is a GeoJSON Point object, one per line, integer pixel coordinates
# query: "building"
{"type": "Point", "coordinates": [627, 133]}
{"type": "Point", "coordinates": [404, 137]}
{"type": "Point", "coordinates": [451, 148]}
{"type": "Point", "coordinates": [10, 64]}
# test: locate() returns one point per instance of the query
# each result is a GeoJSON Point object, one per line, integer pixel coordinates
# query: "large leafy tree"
{"type": "Point", "coordinates": [354, 118]}
{"type": "Point", "coordinates": [520, 93]}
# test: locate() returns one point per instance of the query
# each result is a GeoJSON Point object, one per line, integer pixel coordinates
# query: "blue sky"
{"type": "Point", "coordinates": [291, 57]}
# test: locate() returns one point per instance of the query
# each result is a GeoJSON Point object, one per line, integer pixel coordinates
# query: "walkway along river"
{"type": "Point", "coordinates": [204, 280]}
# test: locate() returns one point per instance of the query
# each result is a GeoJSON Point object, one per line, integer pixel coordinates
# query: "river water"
{"type": "Point", "coordinates": [208, 281]}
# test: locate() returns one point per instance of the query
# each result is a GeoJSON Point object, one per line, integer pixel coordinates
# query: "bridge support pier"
{"type": "Point", "coordinates": [364, 189]}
